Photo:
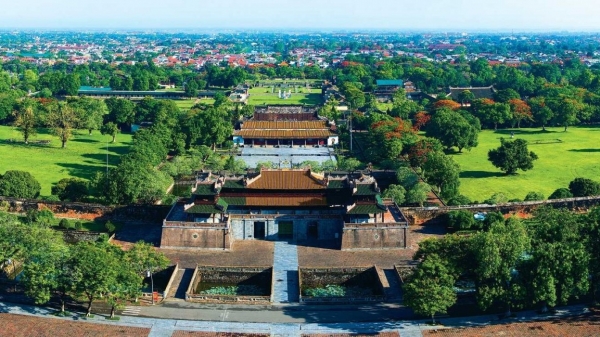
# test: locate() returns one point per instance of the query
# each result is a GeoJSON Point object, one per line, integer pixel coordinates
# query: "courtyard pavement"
{"type": "Point", "coordinates": [285, 273]}
{"type": "Point", "coordinates": [285, 156]}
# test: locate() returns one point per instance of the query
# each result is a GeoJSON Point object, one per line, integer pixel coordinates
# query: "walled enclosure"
{"type": "Point", "coordinates": [321, 277]}
{"type": "Point", "coordinates": [231, 276]}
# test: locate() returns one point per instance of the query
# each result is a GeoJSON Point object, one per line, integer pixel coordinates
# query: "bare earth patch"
{"type": "Point", "coordinates": [580, 326]}
{"type": "Point", "coordinates": [243, 253]}
{"type": "Point", "coordinates": [26, 326]}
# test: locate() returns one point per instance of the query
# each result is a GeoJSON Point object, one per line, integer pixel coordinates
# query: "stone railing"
{"type": "Point", "coordinates": [218, 225]}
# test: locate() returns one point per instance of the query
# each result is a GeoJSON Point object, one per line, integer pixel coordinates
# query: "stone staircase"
{"type": "Point", "coordinates": [392, 289]}
{"type": "Point", "coordinates": [285, 273]}
{"type": "Point", "coordinates": [180, 284]}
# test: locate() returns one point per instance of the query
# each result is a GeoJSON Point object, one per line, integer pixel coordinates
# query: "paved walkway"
{"type": "Point", "coordinates": [285, 270]}
{"type": "Point", "coordinates": [166, 327]}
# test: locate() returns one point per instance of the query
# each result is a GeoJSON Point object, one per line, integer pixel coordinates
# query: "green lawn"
{"type": "Point", "coordinates": [186, 104]}
{"type": "Point", "coordinates": [83, 157]}
{"type": "Point", "coordinates": [563, 156]}
{"type": "Point", "coordinates": [263, 96]}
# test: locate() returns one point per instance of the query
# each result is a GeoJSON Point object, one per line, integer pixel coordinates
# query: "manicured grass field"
{"type": "Point", "coordinates": [263, 95]}
{"type": "Point", "coordinates": [186, 104]}
{"type": "Point", "coordinates": [48, 163]}
{"type": "Point", "coordinates": [563, 156]}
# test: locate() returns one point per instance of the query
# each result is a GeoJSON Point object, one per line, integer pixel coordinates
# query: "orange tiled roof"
{"type": "Point", "coordinates": [296, 125]}
{"type": "Point", "coordinates": [286, 180]}
{"type": "Point", "coordinates": [286, 201]}
{"type": "Point", "coordinates": [283, 134]}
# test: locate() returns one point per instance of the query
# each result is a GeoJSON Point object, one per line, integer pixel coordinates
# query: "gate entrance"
{"type": "Point", "coordinates": [259, 229]}
{"type": "Point", "coordinates": [286, 229]}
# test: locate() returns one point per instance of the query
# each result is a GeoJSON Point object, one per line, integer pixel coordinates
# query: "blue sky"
{"type": "Point", "coordinates": [518, 15]}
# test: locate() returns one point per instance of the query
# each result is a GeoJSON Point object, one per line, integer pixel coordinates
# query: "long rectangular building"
{"type": "Point", "coordinates": [286, 126]}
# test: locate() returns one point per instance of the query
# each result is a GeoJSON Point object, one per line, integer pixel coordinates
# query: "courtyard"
{"type": "Point", "coordinates": [286, 156]}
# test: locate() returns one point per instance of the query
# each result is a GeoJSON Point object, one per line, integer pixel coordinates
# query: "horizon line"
{"type": "Point", "coordinates": [298, 29]}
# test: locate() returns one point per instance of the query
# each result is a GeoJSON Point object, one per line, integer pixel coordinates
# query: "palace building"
{"type": "Point", "coordinates": [290, 126]}
{"type": "Point", "coordinates": [285, 204]}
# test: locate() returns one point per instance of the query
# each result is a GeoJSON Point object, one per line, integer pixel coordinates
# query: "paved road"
{"type": "Point", "coordinates": [166, 327]}
{"type": "Point", "coordinates": [292, 313]}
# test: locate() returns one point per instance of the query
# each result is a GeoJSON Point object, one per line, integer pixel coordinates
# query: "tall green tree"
{"type": "Point", "coordinates": [557, 236]}
{"type": "Point", "coordinates": [566, 110]}
{"type": "Point", "coordinates": [442, 172]}
{"type": "Point", "coordinates": [48, 272]}
{"type": "Point", "coordinates": [62, 119]}
{"type": "Point", "coordinates": [452, 130]}
{"type": "Point", "coordinates": [396, 192]}
{"type": "Point", "coordinates": [95, 269]}
{"type": "Point", "coordinates": [540, 111]}
{"type": "Point", "coordinates": [418, 193]}
{"type": "Point", "coordinates": [498, 253]}
{"type": "Point", "coordinates": [429, 290]}
{"type": "Point", "coordinates": [143, 257]}
{"type": "Point", "coordinates": [512, 156]}
{"type": "Point", "coordinates": [110, 129]}
{"type": "Point", "coordinates": [25, 121]}
{"type": "Point", "coordinates": [90, 113]}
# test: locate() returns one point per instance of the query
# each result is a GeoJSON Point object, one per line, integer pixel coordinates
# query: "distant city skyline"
{"type": "Point", "coordinates": [432, 15]}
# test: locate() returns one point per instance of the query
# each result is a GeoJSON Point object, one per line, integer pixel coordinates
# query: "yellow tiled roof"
{"type": "Point", "coordinates": [286, 180]}
{"type": "Point", "coordinates": [283, 134]}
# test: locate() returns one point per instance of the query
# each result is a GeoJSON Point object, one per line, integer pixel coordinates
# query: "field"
{"type": "Point", "coordinates": [263, 95]}
{"type": "Point", "coordinates": [563, 156]}
{"type": "Point", "coordinates": [186, 104]}
{"type": "Point", "coordinates": [83, 157]}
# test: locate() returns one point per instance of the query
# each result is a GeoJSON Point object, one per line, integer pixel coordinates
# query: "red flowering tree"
{"type": "Point", "coordinates": [388, 138]}
{"type": "Point", "coordinates": [520, 111]}
{"type": "Point", "coordinates": [419, 151]}
{"type": "Point", "coordinates": [446, 103]}
{"type": "Point", "coordinates": [421, 118]}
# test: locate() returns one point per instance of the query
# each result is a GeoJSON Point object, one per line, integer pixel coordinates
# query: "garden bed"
{"type": "Point", "coordinates": [231, 285]}
{"type": "Point", "coordinates": [340, 285]}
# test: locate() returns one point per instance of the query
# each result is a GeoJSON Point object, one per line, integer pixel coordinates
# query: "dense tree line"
{"type": "Point", "coordinates": [542, 262]}
{"type": "Point", "coordinates": [49, 268]}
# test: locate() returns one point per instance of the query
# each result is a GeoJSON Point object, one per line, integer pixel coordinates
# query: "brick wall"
{"type": "Point", "coordinates": [374, 236]}
{"type": "Point", "coordinates": [195, 237]}
{"type": "Point", "coordinates": [432, 215]}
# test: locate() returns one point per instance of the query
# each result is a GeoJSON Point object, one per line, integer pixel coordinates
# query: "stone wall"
{"type": "Point", "coordinates": [195, 237]}
{"type": "Point", "coordinates": [432, 215]}
{"type": "Point", "coordinates": [73, 236]}
{"type": "Point", "coordinates": [374, 236]}
{"type": "Point", "coordinates": [78, 210]}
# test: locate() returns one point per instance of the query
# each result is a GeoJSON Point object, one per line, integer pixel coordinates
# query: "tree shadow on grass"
{"type": "Point", "coordinates": [96, 158]}
{"type": "Point", "coordinates": [523, 131]}
{"type": "Point", "coordinates": [84, 140]}
{"type": "Point", "coordinates": [585, 150]}
{"type": "Point", "coordinates": [120, 150]}
{"type": "Point", "coordinates": [80, 170]}
{"type": "Point", "coordinates": [480, 174]}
